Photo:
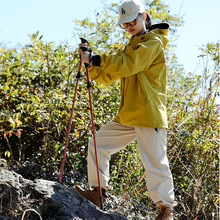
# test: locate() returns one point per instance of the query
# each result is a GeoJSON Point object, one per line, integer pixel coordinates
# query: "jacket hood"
{"type": "Point", "coordinates": [161, 30]}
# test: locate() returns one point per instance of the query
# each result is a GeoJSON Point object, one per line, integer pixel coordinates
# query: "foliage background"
{"type": "Point", "coordinates": [37, 83]}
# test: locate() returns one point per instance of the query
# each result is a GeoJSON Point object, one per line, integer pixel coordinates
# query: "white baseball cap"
{"type": "Point", "coordinates": [129, 10]}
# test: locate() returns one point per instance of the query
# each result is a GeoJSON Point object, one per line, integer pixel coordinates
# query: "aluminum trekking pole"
{"type": "Point", "coordinates": [92, 119]}
{"type": "Point", "coordinates": [70, 121]}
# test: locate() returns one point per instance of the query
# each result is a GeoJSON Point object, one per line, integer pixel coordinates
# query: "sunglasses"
{"type": "Point", "coordinates": [132, 23]}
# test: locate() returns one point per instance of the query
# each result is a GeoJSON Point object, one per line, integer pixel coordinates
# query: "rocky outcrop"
{"type": "Point", "coordinates": [41, 199]}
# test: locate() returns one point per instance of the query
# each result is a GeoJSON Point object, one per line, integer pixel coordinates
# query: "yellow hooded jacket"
{"type": "Point", "coordinates": [141, 68]}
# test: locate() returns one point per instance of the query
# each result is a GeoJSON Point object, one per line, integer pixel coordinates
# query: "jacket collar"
{"type": "Point", "coordinates": [160, 29]}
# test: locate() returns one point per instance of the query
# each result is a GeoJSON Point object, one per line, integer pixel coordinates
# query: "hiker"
{"type": "Point", "coordinates": [142, 115]}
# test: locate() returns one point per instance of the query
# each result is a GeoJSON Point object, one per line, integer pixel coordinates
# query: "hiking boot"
{"type": "Point", "coordinates": [165, 213]}
{"type": "Point", "coordinates": [92, 195]}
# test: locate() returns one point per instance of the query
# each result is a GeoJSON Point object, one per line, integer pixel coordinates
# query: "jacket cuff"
{"type": "Point", "coordinates": [95, 59]}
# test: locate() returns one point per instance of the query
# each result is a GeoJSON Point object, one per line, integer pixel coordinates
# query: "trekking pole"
{"type": "Point", "coordinates": [92, 119]}
{"type": "Point", "coordinates": [70, 121]}
{"type": "Point", "coordinates": [89, 85]}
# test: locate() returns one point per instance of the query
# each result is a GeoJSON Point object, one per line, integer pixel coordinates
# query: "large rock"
{"type": "Point", "coordinates": [42, 199]}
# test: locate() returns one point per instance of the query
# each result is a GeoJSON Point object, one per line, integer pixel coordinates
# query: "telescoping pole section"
{"type": "Point", "coordinates": [71, 117]}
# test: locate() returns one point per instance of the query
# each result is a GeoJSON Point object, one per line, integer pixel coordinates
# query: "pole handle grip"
{"type": "Point", "coordinates": [84, 41]}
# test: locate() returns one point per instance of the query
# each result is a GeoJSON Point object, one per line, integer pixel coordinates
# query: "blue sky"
{"type": "Point", "coordinates": [54, 19]}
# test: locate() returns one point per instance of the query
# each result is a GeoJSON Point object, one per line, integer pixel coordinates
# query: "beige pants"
{"type": "Point", "coordinates": [113, 137]}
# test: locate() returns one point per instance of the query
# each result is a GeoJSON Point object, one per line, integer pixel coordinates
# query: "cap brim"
{"type": "Point", "coordinates": [127, 19]}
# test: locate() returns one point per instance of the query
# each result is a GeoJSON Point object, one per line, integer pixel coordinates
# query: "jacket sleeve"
{"type": "Point", "coordinates": [132, 61]}
{"type": "Point", "coordinates": [97, 74]}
